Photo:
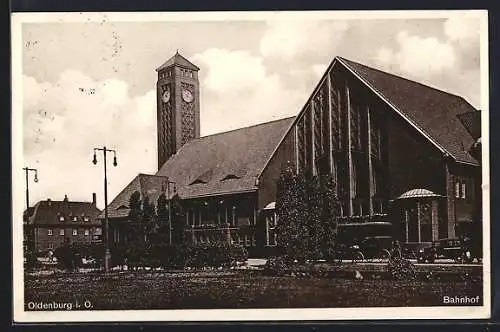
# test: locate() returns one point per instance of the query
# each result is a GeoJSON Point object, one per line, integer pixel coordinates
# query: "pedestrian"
{"type": "Point", "coordinates": [51, 256]}
{"type": "Point", "coordinates": [396, 250]}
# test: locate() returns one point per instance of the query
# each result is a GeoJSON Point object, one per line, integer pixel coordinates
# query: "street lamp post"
{"type": "Point", "coordinates": [29, 245]}
{"type": "Point", "coordinates": [107, 255]}
{"type": "Point", "coordinates": [170, 209]}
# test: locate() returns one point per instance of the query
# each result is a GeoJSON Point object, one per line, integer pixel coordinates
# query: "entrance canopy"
{"type": "Point", "coordinates": [418, 193]}
{"type": "Point", "coordinates": [270, 206]}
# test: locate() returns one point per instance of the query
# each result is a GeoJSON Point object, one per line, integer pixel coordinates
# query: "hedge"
{"type": "Point", "coordinates": [159, 255]}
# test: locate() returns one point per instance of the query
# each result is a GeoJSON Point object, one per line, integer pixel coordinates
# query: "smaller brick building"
{"type": "Point", "coordinates": [51, 223]}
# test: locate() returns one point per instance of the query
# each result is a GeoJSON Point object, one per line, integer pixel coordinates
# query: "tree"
{"type": "Point", "coordinates": [162, 215]}
{"type": "Point", "coordinates": [135, 247]}
{"type": "Point", "coordinates": [290, 212]}
{"type": "Point", "coordinates": [178, 221]}
{"type": "Point", "coordinates": [314, 216]}
{"type": "Point", "coordinates": [330, 211]}
{"type": "Point", "coordinates": [148, 218]}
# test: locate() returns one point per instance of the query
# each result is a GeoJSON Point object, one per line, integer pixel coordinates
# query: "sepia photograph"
{"type": "Point", "coordinates": [250, 166]}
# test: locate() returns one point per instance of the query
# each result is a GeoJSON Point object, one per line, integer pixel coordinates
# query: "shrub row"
{"type": "Point", "coordinates": [159, 255]}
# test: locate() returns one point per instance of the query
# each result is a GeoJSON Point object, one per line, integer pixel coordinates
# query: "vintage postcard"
{"type": "Point", "coordinates": [246, 166]}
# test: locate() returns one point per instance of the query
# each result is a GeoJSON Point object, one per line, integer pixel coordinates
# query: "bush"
{"type": "Point", "coordinates": [31, 259]}
{"type": "Point", "coordinates": [66, 257]}
{"type": "Point", "coordinates": [215, 255]}
{"type": "Point", "coordinates": [277, 265]}
{"type": "Point", "coordinates": [402, 269]}
{"type": "Point", "coordinates": [180, 256]}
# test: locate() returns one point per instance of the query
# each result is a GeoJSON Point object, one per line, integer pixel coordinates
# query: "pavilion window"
{"type": "Point", "coordinates": [425, 222]}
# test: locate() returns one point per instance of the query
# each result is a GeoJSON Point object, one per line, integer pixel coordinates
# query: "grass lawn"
{"type": "Point", "coordinates": [217, 290]}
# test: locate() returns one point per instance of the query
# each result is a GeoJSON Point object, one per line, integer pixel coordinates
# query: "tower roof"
{"type": "Point", "coordinates": [178, 60]}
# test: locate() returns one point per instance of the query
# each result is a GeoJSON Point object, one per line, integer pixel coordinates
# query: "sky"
{"type": "Point", "coordinates": [89, 83]}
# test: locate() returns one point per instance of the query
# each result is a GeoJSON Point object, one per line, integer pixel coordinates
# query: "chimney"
{"type": "Point", "coordinates": [66, 198]}
{"type": "Point", "coordinates": [49, 202]}
{"type": "Point", "coordinates": [94, 199]}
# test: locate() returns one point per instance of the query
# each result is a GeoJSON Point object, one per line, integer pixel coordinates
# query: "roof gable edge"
{"type": "Point", "coordinates": [388, 102]}
{"type": "Point", "coordinates": [297, 117]}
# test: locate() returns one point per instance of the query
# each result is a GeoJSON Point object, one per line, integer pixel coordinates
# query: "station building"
{"type": "Point", "coordinates": [399, 151]}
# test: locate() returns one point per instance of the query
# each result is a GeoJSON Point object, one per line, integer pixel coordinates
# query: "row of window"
{"type": "Point", "coordinates": [165, 74]}
{"type": "Point", "coordinates": [183, 72]}
{"type": "Point", "coordinates": [212, 217]}
{"type": "Point", "coordinates": [97, 231]}
{"type": "Point", "coordinates": [187, 73]}
{"type": "Point", "coordinates": [313, 136]}
{"type": "Point", "coordinates": [244, 240]}
{"type": "Point", "coordinates": [461, 189]}
{"type": "Point", "coordinates": [74, 218]}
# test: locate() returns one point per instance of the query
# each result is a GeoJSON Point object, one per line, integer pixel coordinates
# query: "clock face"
{"type": "Point", "coordinates": [187, 96]}
{"type": "Point", "coordinates": [165, 96]}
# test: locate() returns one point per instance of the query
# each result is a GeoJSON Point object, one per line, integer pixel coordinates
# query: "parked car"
{"type": "Point", "coordinates": [458, 249]}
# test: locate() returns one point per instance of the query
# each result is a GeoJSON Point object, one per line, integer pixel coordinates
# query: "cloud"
{"type": "Point", "coordinates": [462, 28]}
{"type": "Point", "coordinates": [437, 61]}
{"type": "Point", "coordinates": [237, 91]}
{"type": "Point", "coordinates": [422, 57]}
{"type": "Point", "coordinates": [288, 38]}
{"type": "Point", "coordinates": [64, 121]}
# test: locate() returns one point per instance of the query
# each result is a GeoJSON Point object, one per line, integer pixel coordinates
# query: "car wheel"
{"type": "Point", "coordinates": [358, 257]}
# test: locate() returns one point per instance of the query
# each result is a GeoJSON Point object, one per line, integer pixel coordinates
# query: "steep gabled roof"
{"type": "Point", "coordinates": [433, 112]}
{"type": "Point", "coordinates": [178, 60]}
{"type": "Point", "coordinates": [147, 185]}
{"type": "Point", "coordinates": [227, 162]}
{"type": "Point", "coordinates": [472, 122]}
{"type": "Point", "coordinates": [48, 212]}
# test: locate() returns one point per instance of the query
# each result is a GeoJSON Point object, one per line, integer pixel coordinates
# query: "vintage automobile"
{"type": "Point", "coordinates": [461, 250]}
{"type": "Point", "coordinates": [370, 241]}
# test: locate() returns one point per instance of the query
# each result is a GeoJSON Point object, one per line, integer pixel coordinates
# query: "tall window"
{"type": "Point", "coordinates": [49, 232]}
{"type": "Point", "coordinates": [463, 189]}
{"type": "Point", "coordinates": [457, 189]}
{"type": "Point", "coordinates": [308, 137]}
{"type": "Point", "coordinates": [301, 145]}
{"type": "Point", "coordinates": [75, 231]}
{"type": "Point", "coordinates": [271, 229]}
{"type": "Point", "coordinates": [61, 231]}
{"type": "Point", "coordinates": [355, 126]}
{"type": "Point", "coordinates": [425, 222]}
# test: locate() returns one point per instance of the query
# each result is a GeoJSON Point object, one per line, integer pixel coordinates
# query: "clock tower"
{"type": "Point", "coordinates": [178, 105]}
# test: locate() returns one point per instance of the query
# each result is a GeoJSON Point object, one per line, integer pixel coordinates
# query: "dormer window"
{"type": "Point", "coordinates": [75, 219]}
{"type": "Point", "coordinates": [197, 181]}
{"type": "Point", "coordinates": [121, 207]}
{"type": "Point", "coordinates": [230, 177]}
{"type": "Point", "coordinates": [61, 218]}
{"type": "Point", "coordinates": [86, 219]}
